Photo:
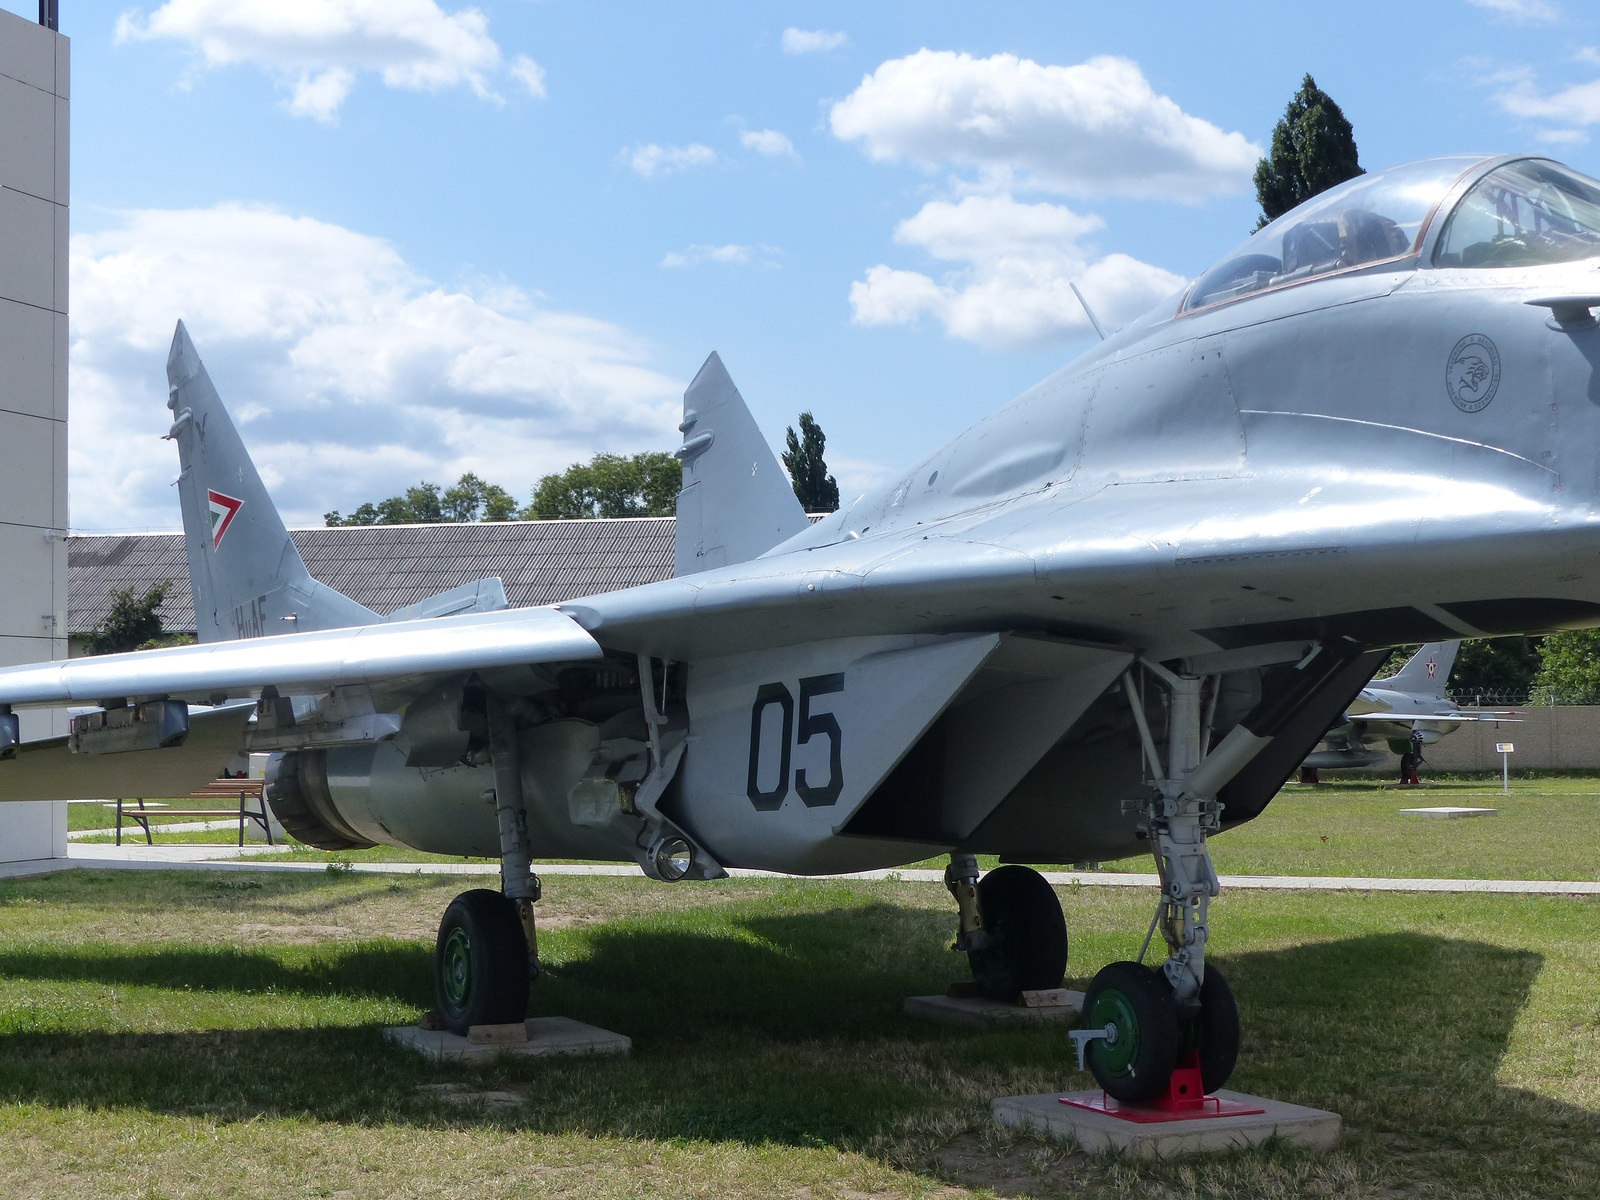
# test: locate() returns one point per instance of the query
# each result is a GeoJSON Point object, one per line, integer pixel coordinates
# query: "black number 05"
{"type": "Point", "coordinates": [811, 725]}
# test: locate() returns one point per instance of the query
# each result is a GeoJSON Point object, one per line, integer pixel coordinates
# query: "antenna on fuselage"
{"type": "Point", "coordinates": [1089, 312]}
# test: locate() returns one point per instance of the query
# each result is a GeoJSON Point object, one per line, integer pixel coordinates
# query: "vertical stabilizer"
{"type": "Point", "coordinates": [247, 576]}
{"type": "Point", "coordinates": [1426, 673]}
{"type": "Point", "coordinates": [737, 502]}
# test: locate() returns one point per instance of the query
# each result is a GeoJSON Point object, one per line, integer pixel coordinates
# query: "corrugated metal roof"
{"type": "Point", "coordinates": [387, 567]}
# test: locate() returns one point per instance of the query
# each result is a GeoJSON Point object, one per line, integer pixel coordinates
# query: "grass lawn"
{"type": "Point", "coordinates": [184, 1035]}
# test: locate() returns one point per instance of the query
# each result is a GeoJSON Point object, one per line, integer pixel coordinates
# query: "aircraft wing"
{"type": "Point", "coordinates": [302, 663]}
{"type": "Point", "coordinates": [1400, 718]}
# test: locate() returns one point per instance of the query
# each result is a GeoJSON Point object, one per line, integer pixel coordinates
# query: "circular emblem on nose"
{"type": "Point", "coordinates": [1472, 373]}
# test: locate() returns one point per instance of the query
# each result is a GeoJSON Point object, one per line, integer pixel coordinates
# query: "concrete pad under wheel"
{"type": "Point", "coordinates": [546, 1036]}
{"type": "Point", "coordinates": [1448, 812]}
{"type": "Point", "coordinates": [1098, 1132]}
{"type": "Point", "coordinates": [975, 1010]}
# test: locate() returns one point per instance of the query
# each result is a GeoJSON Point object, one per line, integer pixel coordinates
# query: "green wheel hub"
{"type": "Point", "coordinates": [1112, 1007]}
{"type": "Point", "coordinates": [457, 973]}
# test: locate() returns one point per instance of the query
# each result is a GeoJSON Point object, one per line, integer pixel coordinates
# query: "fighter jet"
{"type": "Point", "coordinates": [1109, 619]}
{"type": "Point", "coordinates": [1408, 710]}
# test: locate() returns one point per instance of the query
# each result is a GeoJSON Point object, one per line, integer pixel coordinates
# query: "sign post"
{"type": "Point", "coordinates": [1504, 750]}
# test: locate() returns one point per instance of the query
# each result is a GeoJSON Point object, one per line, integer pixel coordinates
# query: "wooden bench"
{"type": "Point", "coordinates": [218, 789]}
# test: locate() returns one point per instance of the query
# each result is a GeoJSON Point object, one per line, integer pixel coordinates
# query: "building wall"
{"type": "Point", "coordinates": [33, 386]}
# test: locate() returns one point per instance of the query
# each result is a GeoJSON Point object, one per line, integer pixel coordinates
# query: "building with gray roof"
{"type": "Point", "coordinates": [387, 567]}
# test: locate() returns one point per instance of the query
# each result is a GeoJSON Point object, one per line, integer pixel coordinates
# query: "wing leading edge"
{"type": "Point", "coordinates": [306, 662]}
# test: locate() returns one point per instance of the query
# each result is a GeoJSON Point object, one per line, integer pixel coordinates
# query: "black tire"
{"type": "Point", "coordinates": [1215, 1032]}
{"type": "Point", "coordinates": [1137, 1066]}
{"type": "Point", "coordinates": [1027, 935]}
{"type": "Point", "coordinates": [480, 962]}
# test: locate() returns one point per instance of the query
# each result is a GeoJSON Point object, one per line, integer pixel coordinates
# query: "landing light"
{"type": "Point", "coordinates": [674, 857]}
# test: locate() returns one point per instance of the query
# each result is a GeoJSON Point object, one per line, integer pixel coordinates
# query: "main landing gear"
{"type": "Point", "coordinates": [488, 950]}
{"type": "Point", "coordinates": [1140, 1024]}
{"type": "Point", "coordinates": [1011, 928]}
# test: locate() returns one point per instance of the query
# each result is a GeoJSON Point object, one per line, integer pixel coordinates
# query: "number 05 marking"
{"type": "Point", "coordinates": [811, 725]}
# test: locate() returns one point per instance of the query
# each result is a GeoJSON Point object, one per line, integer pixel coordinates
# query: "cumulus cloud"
{"type": "Point", "coordinates": [1012, 290]}
{"type": "Point", "coordinates": [1519, 10]}
{"type": "Point", "coordinates": [731, 255]}
{"type": "Point", "coordinates": [316, 48]}
{"type": "Point", "coordinates": [1573, 106]}
{"type": "Point", "coordinates": [769, 142]}
{"type": "Point", "coordinates": [1097, 128]}
{"type": "Point", "coordinates": [650, 160]}
{"type": "Point", "coordinates": [811, 41]}
{"type": "Point", "coordinates": [355, 376]}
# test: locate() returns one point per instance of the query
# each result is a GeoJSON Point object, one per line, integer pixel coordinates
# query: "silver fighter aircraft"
{"type": "Point", "coordinates": [1408, 710]}
{"type": "Point", "coordinates": [1110, 618]}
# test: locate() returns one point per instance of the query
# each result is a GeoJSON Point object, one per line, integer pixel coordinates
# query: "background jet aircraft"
{"type": "Point", "coordinates": [1111, 617]}
{"type": "Point", "coordinates": [1407, 709]}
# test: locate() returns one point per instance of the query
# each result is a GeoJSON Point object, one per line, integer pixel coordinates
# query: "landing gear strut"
{"type": "Point", "coordinates": [488, 950]}
{"type": "Point", "coordinates": [1150, 1022]}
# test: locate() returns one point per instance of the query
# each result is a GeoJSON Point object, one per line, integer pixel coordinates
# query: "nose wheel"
{"type": "Point", "coordinates": [480, 962]}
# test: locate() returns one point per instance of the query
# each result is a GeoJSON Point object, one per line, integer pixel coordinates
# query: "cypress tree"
{"type": "Point", "coordinates": [1313, 148]}
{"type": "Point", "coordinates": [816, 490]}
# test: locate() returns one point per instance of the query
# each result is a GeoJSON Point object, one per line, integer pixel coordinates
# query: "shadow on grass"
{"type": "Point", "coordinates": [374, 970]}
{"type": "Point", "coordinates": [787, 1028]}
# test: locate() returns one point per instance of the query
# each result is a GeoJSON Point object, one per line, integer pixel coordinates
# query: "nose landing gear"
{"type": "Point", "coordinates": [1154, 1021]}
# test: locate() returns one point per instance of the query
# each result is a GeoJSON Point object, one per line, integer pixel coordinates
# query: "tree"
{"type": "Point", "coordinates": [816, 490]}
{"type": "Point", "coordinates": [134, 622]}
{"type": "Point", "coordinates": [1570, 669]}
{"type": "Point", "coordinates": [471, 499]}
{"type": "Point", "coordinates": [1313, 148]}
{"type": "Point", "coordinates": [610, 485]}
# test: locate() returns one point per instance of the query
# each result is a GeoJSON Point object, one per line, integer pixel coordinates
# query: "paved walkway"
{"type": "Point", "coordinates": [230, 858]}
{"type": "Point", "coordinates": [131, 829]}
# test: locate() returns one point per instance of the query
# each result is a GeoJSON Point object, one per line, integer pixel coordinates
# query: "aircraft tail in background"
{"type": "Point", "coordinates": [1426, 673]}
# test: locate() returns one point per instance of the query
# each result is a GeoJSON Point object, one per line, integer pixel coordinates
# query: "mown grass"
{"type": "Point", "coordinates": [183, 1035]}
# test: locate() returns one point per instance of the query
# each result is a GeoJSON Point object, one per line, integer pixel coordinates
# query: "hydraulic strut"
{"type": "Point", "coordinates": [517, 879]}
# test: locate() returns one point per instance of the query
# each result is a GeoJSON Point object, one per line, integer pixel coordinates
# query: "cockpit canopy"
{"type": "Point", "coordinates": [1523, 213]}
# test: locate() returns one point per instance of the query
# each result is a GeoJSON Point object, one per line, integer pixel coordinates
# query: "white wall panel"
{"type": "Point", "coordinates": [28, 351]}
{"type": "Point", "coordinates": [27, 139]}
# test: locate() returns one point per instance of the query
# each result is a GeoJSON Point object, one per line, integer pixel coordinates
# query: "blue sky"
{"type": "Point", "coordinates": [413, 238]}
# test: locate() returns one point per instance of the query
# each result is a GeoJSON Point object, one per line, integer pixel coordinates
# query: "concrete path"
{"type": "Point", "coordinates": [206, 858]}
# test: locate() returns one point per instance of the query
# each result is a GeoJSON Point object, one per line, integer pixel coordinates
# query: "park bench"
{"type": "Point", "coordinates": [218, 789]}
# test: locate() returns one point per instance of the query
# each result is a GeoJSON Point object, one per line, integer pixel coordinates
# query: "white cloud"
{"type": "Point", "coordinates": [529, 74]}
{"type": "Point", "coordinates": [316, 48]}
{"type": "Point", "coordinates": [358, 376]}
{"type": "Point", "coordinates": [1562, 137]}
{"type": "Point", "coordinates": [1013, 291]}
{"type": "Point", "coordinates": [1097, 128]}
{"type": "Point", "coordinates": [650, 160]}
{"type": "Point", "coordinates": [1519, 10]}
{"type": "Point", "coordinates": [731, 255]}
{"type": "Point", "coordinates": [769, 142]}
{"type": "Point", "coordinates": [1576, 105]}
{"type": "Point", "coordinates": [811, 41]}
